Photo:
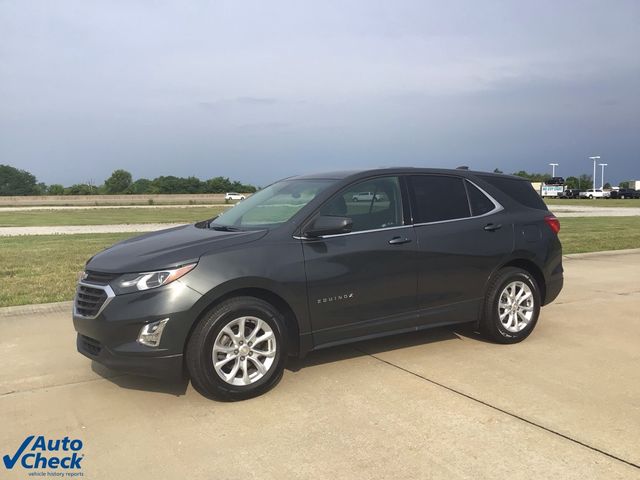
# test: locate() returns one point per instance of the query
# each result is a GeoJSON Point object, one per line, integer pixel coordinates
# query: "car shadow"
{"type": "Point", "coordinates": [174, 387]}
{"type": "Point", "coordinates": [382, 345]}
{"type": "Point", "coordinates": [375, 346]}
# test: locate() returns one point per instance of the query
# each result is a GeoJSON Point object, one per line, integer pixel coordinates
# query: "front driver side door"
{"type": "Point", "coordinates": [364, 282]}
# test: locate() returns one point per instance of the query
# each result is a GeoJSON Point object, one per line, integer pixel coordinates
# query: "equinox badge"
{"type": "Point", "coordinates": [335, 298]}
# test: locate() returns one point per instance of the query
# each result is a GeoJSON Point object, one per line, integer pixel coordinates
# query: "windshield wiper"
{"type": "Point", "coordinates": [223, 228]}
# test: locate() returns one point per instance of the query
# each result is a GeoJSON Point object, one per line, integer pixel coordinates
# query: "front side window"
{"type": "Point", "coordinates": [437, 197]}
{"type": "Point", "coordinates": [271, 206]}
{"type": "Point", "coordinates": [371, 204]}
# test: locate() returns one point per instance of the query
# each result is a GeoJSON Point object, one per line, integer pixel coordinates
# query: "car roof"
{"type": "Point", "coordinates": [354, 174]}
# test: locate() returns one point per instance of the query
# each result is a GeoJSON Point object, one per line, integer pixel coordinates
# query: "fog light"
{"type": "Point", "coordinates": [151, 333]}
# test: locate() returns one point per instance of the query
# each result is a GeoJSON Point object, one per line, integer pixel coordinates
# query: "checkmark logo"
{"type": "Point", "coordinates": [10, 462]}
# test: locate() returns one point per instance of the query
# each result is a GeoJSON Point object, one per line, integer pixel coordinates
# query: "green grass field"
{"type": "Point", "coordinates": [596, 202]}
{"type": "Point", "coordinates": [595, 234]}
{"type": "Point", "coordinates": [41, 269]}
{"type": "Point", "coordinates": [107, 216]}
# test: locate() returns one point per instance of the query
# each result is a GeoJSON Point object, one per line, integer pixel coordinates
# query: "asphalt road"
{"type": "Point", "coordinates": [439, 404]}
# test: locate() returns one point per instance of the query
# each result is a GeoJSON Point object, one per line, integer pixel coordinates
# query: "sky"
{"type": "Point", "coordinates": [257, 90]}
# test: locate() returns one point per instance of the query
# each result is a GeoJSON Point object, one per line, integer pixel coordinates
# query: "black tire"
{"type": "Point", "coordinates": [199, 360]}
{"type": "Point", "coordinates": [490, 324]}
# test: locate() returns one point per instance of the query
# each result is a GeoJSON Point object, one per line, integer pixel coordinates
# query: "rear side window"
{"type": "Point", "coordinates": [519, 190]}
{"type": "Point", "coordinates": [479, 202]}
{"type": "Point", "coordinates": [436, 198]}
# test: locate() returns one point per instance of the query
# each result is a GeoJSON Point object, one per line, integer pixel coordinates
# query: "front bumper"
{"type": "Point", "coordinates": [166, 366]}
{"type": "Point", "coordinates": [111, 337]}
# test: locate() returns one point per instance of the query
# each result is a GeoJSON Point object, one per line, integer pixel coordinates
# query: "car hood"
{"type": "Point", "coordinates": [167, 248]}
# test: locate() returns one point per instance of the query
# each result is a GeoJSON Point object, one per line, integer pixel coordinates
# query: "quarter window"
{"type": "Point", "coordinates": [437, 197]}
{"type": "Point", "coordinates": [372, 204]}
{"type": "Point", "coordinates": [520, 190]}
{"type": "Point", "coordinates": [479, 202]}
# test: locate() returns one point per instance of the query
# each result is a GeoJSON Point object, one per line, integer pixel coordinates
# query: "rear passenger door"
{"type": "Point", "coordinates": [462, 235]}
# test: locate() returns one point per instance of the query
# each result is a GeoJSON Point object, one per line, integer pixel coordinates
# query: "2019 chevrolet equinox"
{"type": "Point", "coordinates": [301, 265]}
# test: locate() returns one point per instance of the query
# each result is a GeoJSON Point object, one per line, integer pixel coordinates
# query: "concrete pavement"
{"type": "Point", "coordinates": [437, 404]}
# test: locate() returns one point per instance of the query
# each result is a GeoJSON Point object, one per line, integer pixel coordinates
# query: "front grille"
{"type": "Point", "coordinates": [99, 278]}
{"type": "Point", "coordinates": [89, 345]}
{"type": "Point", "coordinates": [89, 300]}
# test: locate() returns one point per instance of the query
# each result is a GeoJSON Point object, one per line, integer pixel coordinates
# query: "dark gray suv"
{"type": "Point", "coordinates": [301, 265]}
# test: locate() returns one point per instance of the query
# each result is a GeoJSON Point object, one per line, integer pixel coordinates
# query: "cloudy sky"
{"type": "Point", "coordinates": [261, 90]}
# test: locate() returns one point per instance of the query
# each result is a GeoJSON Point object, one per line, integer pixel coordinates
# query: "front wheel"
{"type": "Point", "coordinates": [238, 350]}
{"type": "Point", "coordinates": [512, 306]}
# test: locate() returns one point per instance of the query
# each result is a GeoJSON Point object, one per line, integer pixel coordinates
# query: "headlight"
{"type": "Point", "coordinates": [134, 282]}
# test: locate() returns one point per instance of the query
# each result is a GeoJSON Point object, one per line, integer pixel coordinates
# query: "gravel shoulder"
{"type": "Point", "coordinates": [588, 211]}
{"type": "Point", "coordinates": [564, 211]}
{"type": "Point", "coordinates": [76, 229]}
{"type": "Point", "coordinates": [110, 207]}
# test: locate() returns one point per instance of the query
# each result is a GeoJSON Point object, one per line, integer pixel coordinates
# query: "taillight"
{"type": "Point", "coordinates": [553, 222]}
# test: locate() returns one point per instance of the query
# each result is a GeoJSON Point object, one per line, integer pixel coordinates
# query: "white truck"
{"type": "Point", "coordinates": [595, 193]}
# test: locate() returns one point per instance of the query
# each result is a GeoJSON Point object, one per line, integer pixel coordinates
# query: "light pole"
{"type": "Point", "coordinates": [594, 158]}
{"type": "Point", "coordinates": [553, 168]}
{"type": "Point", "coordinates": [603, 165]}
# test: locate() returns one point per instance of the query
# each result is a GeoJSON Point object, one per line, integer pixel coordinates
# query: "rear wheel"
{"type": "Point", "coordinates": [512, 306]}
{"type": "Point", "coordinates": [238, 350]}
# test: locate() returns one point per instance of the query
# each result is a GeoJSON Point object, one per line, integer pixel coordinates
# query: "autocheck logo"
{"type": "Point", "coordinates": [39, 453]}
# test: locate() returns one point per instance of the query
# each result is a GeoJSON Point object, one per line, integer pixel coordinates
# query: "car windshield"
{"type": "Point", "coordinates": [272, 206]}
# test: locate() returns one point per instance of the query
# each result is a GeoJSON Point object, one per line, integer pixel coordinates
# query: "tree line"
{"type": "Point", "coordinates": [15, 182]}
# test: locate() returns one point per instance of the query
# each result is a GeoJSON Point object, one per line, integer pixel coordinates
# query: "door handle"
{"type": "Point", "coordinates": [492, 227]}
{"type": "Point", "coordinates": [399, 240]}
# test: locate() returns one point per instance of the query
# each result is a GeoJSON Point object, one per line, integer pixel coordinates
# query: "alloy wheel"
{"type": "Point", "coordinates": [244, 351]}
{"type": "Point", "coordinates": [516, 306]}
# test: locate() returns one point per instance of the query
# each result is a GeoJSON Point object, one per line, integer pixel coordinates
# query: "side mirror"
{"type": "Point", "coordinates": [328, 225]}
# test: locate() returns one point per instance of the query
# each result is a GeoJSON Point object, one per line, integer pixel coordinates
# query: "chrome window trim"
{"type": "Point", "coordinates": [297, 237]}
{"type": "Point", "coordinates": [497, 207]}
{"type": "Point", "coordinates": [107, 289]}
{"type": "Point", "coordinates": [496, 204]}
